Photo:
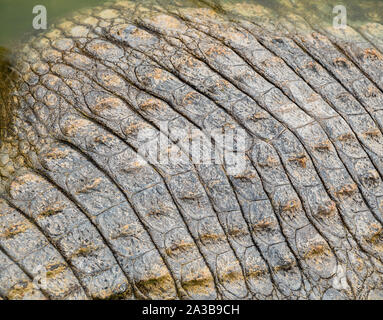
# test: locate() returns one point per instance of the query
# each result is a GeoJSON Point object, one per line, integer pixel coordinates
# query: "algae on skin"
{"type": "Point", "coordinates": [6, 100]}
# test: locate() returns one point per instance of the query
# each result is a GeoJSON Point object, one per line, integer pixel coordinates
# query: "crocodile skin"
{"type": "Point", "coordinates": [79, 201]}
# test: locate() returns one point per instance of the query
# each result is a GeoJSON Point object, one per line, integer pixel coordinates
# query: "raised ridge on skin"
{"type": "Point", "coordinates": [14, 283]}
{"type": "Point", "coordinates": [302, 221]}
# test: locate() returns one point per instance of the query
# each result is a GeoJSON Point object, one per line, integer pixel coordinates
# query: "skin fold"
{"type": "Point", "coordinates": [83, 214]}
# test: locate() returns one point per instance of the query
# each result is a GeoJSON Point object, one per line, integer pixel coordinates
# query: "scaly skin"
{"type": "Point", "coordinates": [303, 221]}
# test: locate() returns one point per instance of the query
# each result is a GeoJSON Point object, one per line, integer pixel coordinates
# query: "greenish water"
{"type": "Point", "coordinates": [16, 15]}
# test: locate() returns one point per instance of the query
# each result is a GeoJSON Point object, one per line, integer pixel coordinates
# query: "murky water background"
{"type": "Point", "coordinates": [16, 15]}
